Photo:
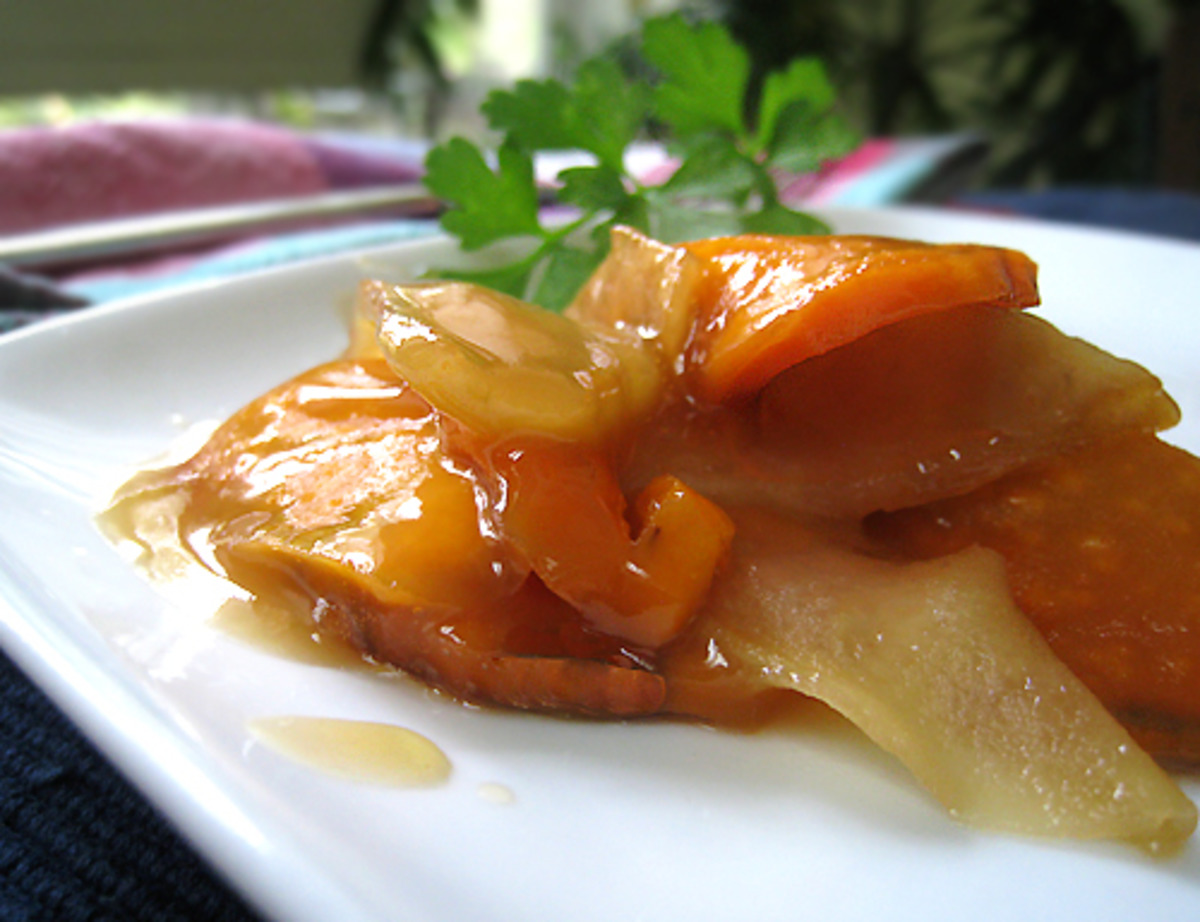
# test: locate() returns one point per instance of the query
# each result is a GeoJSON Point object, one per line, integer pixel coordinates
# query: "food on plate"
{"type": "Point", "coordinates": [693, 494]}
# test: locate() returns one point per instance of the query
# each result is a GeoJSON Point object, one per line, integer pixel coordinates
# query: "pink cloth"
{"type": "Point", "coordinates": [833, 179]}
{"type": "Point", "coordinates": [54, 176]}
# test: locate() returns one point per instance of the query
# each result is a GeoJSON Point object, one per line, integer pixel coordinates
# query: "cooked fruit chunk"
{"type": "Point", "coordinates": [776, 301]}
{"type": "Point", "coordinates": [500, 366]}
{"type": "Point", "coordinates": [922, 409]}
{"type": "Point", "coordinates": [646, 287]}
{"type": "Point", "coordinates": [560, 507]}
{"type": "Point", "coordinates": [934, 662]}
{"type": "Point", "coordinates": [1102, 550]}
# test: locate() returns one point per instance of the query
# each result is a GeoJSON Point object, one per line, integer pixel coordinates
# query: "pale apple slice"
{"type": "Point", "coordinates": [649, 288]}
{"type": "Point", "coordinates": [935, 663]}
{"type": "Point", "coordinates": [501, 367]}
{"type": "Point", "coordinates": [1102, 550]}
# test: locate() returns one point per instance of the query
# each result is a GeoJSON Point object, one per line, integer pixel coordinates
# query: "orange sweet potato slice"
{"type": "Point", "coordinates": [925, 408]}
{"type": "Point", "coordinates": [527, 650]}
{"type": "Point", "coordinates": [1102, 550]}
{"type": "Point", "coordinates": [637, 577]}
{"type": "Point", "coordinates": [774, 301]}
{"type": "Point", "coordinates": [331, 496]}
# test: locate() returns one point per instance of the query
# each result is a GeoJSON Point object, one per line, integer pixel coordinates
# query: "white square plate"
{"type": "Point", "coordinates": [646, 820]}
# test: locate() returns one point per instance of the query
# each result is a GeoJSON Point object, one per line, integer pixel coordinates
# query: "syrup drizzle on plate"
{"type": "Point", "coordinates": [358, 750]}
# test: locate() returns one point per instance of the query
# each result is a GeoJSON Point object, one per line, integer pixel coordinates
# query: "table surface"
{"type": "Point", "coordinates": [77, 841]}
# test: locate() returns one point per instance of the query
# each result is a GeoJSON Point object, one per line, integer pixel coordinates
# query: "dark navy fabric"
{"type": "Point", "coordinates": [1162, 212]}
{"type": "Point", "coordinates": [77, 842]}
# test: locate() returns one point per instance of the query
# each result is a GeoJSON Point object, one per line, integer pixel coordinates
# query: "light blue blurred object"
{"type": "Point", "coordinates": [249, 256]}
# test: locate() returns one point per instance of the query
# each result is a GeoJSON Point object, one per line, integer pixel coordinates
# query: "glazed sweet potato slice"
{"type": "Point", "coordinates": [527, 650]}
{"type": "Point", "coordinates": [637, 573]}
{"type": "Point", "coordinates": [331, 496]}
{"type": "Point", "coordinates": [1102, 550]}
{"type": "Point", "coordinates": [771, 302]}
{"type": "Point", "coordinates": [925, 408]}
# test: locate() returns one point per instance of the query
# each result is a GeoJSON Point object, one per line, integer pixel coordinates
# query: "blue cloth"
{"type": "Point", "coordinates": [1152, 211]}
{"type": "Point", "coordinates": [77, 842]}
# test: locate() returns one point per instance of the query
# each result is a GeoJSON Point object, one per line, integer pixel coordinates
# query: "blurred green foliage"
{"type": "Point", "coordinates": [1065, 90]}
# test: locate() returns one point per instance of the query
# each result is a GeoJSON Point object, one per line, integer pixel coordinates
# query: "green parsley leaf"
{"type": "Point", "coordinates": [565, 270]}
{"type": "Point", "coordinates": [725, 182]}
{"type": "Point", "coordinates": [673, 223]}
{"type": "Point", "coordinates": [804, 140]}
{"type": "Point", "coordinates": [778, 219]}
{"type": "Point", "coordinates": [610, 110]}
{"type": "Point", "coordinates": [487, 206]}
{"type": "Point", "coordinates": [601, 113]}
{"type": "Point", "coordinates": [804, 81]}
{"type": "Point", "coordinates": [715, 168]}
{"type": "Point", "coordinates": [596, 188]}
{"type": "Point", "coordinates": [705, 75]}
{"type": "Point", "coordinates": [536, 114]}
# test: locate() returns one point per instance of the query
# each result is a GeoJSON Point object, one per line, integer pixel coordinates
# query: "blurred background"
{"type": "Point", "coordinates": [1070, 92]}
{"type": "Point", "coordinates": [304, 114]}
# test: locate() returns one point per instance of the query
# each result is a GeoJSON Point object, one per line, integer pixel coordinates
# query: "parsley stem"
{"type": "Point", "coordinates": [549, 238]}
{"type": "Point", "coordinates": [552, 236]}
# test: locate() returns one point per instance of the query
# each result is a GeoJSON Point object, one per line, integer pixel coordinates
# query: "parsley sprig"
{"type": "Point", "coordinates": [728, 160]}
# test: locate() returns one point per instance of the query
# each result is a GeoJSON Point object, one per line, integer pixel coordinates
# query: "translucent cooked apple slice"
{"type": "Point", "coordinates": [502, 367]}
{"type": "Point", "coordinates": [929, 407]}
{"type": "Point", "coordinates": [775, 301]}
{"type": "Point", "coordinates": [1102, 549]}
{"type": "Point", "coordinates": [646, 287]}
{"type": "Point", "coordinates": [935, 663]}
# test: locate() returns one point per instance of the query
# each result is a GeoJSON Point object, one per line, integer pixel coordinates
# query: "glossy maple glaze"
{"type": "Point", "coordinates": [332, 496]}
